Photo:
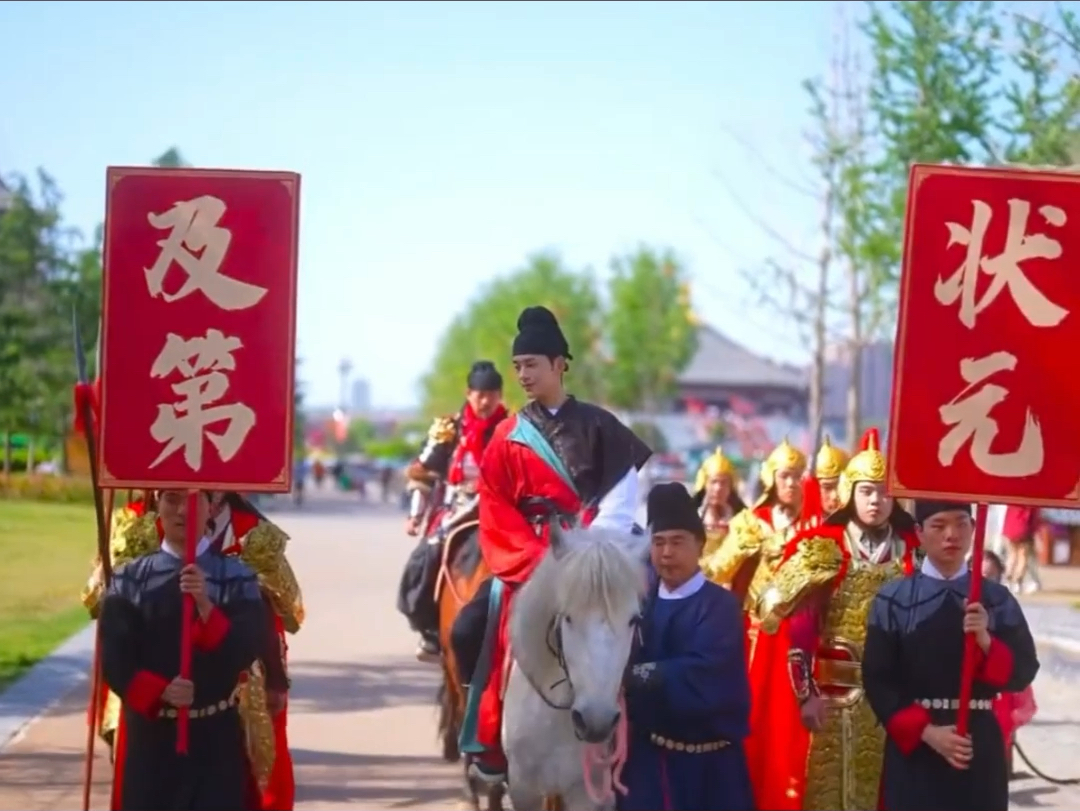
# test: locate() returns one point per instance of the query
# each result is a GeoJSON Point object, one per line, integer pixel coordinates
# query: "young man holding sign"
{"type": "Point", "coordinates": [911, 673]}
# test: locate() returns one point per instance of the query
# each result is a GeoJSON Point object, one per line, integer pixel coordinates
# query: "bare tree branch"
{"type": "Point", "coordinates": [771, 232]}
{"type": "Point", "coordinates": [756, 154]}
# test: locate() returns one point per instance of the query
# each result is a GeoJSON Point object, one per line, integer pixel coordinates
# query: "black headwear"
{"type": "Point", "coordinates": [483, 376]}
{"type": "Point", "coordinates": [925, 509]}
{"type": "Point", "coordinates": [539, 334]}
{"type": "Point", "coordinates": [671, 506]}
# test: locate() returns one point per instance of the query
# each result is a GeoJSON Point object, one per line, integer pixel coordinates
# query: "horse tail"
{"type": "Point", "coordinates": [448, 722]}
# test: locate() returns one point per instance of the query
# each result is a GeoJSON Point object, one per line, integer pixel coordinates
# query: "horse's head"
{"type": "Point", "coordinates": [598, 579]}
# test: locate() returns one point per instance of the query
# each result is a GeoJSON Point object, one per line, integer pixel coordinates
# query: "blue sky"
{"type": "Point", "coordinates": [441, 143]}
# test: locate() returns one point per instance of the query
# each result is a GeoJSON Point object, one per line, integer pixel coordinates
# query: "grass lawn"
{"type": "Point", "coordinates": [46, 554]}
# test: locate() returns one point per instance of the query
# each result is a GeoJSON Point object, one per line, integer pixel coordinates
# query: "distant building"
{"type": "Point", "coordinates": [875, 387]}
{"type": "Point", "coordinates": [729, 377]}
{"type": "Point", "coordinates": [361, 397]}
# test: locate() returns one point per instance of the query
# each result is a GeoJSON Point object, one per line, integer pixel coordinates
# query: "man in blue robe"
{"type": "Point", "coordinates": [687, 691]}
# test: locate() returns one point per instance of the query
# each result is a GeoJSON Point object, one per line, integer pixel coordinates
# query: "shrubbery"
{"type": "Point", "coordinates": [53, 489]}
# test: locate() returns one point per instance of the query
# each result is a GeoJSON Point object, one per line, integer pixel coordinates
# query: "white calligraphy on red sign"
{"type": "Point", "coordinates": [1003, 269]}
{"type": "Point", "coordinates": [971, 420]}
{"type": "Point", "coordinates": [198, 245]}
{"type": "Point", "coordinates": [202, 363]}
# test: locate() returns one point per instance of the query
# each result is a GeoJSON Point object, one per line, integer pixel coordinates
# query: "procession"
{"type": "Point", "coordinates": [539, 407]}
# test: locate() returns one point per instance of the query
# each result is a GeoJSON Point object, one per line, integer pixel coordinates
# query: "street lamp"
{"type": "Point", "coordinates": [344, 369]}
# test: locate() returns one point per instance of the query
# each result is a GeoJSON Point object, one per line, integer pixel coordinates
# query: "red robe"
{"type": "Point", "coordinates": [779, 744]}
{"type": "Point", "coordinates": [512, 547]}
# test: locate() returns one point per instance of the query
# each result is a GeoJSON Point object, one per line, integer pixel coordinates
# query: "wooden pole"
{"type": "Point", "coordinates": [194, 533]}
{"type": "Point", "coordinates": [967, 669]}
{"type": "Point", "coordinates": [95, 687]}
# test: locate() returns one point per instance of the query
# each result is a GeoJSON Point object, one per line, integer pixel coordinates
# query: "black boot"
{"type": "Point", "coordinates": [429, 649]}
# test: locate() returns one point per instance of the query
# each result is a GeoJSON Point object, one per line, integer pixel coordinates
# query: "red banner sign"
{"type": "Point", "coordinates": [199, 329]}
{"type": "Point", "coordinates": [985, 396]}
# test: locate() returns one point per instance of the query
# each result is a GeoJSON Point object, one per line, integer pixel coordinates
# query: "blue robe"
{"type": "Point", "coordinates": [691, 686]}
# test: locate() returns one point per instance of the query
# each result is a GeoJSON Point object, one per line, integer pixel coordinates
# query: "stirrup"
{"type": "Point", "coordinates": [490, 778]}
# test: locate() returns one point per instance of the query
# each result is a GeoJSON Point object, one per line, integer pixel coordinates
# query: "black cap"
{"type": "Point", "coordinates": [483, 376]}
{"type": "Point", "coordinates": [539, 334]}
{"type": "Point", "coordinates": [671, 506]}
{"type": "Point", "coordinates": [925, 509]}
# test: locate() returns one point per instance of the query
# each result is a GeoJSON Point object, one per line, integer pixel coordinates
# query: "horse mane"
{"type": "Point", "coordinates": [596, 569]}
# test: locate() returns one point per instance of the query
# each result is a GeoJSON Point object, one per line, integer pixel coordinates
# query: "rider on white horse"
{"type": "Point", "coordinates": [557, 459]}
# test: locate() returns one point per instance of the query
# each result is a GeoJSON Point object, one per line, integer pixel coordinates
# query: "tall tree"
{"type": "Point", "coordinates": [1043, 100]}
{"type": "Point", "coordinates": [171, 158]}
{"type": "Point", "coordinates": [933, 93]}
{"type": "Point", "coordinates": [651, 332]}
{"type": "Point", "coordinates": [486, 327]}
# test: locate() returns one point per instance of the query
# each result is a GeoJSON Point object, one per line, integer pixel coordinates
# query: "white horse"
{"type": "Point", "coordinates": [571, 629]}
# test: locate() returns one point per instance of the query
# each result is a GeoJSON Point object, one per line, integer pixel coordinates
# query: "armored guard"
{"type": "Point", "coordinates": [717, 498]}
{"type": "Point", "coordinates": [828, 465]}
{"type": "Point", "coordinates": [814, 740]}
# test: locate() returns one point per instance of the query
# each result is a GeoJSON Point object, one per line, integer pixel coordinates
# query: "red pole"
{"type": "Point", "coordinates": [194, 533]}
{"type": "Point", "coordinates": [95, 686]}
{"type": "Point", "coordinates": [967, 670]}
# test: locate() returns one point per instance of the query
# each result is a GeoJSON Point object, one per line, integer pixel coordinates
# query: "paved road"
{"type": "Point", "coordinates": [362, 719]}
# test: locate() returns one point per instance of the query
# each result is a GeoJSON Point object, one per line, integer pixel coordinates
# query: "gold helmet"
{"type": "Point", "coordinates": [868, 465]}
{"type": "Point", "coordinates": [784, 456]}
{"type": "Point", "coordinates": [715, 465]}
{"type": "Point", "coordinates": [830, 461]}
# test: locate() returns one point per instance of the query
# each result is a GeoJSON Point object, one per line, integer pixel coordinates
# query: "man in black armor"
{"type": "Point", "coordinates": [442, 482]}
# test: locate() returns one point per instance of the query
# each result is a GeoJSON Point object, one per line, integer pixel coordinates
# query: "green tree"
{"type": "Point", "coordinates": [299, 416]}
{"type": "Point", "coordinates": [171, 158]}
{"type": "Point", "coordinates": [40, 283]}
{"type": "Point", "coordinates": [1043, 100]}
{"type": "Point", "coordinates": [934, 85]}
{"type": "Point", "coordinates": [651, 331]}
{"type": "Point", "coordinates": [485, 330]}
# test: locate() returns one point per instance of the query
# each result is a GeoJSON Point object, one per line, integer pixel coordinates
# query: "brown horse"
{"type": "Point", "coordinates": [463, 570]}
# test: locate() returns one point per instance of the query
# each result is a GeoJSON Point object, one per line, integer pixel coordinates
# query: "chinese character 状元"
{"type": "Point", "coordinates": [1004, 269]}
{"type": "Point", "coordinates": [198, 245]}
{"type": "Point", "coordinates": [970, 418]}
{"type": "Point", "coordinates": [183, 424]}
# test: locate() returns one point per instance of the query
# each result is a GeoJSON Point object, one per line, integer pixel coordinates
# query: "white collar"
{"type": "Point", "coordinates": [687, 589]}
{"type": "Point", "coordinates": [930, 570]}
{"type": "Point", "coordinates": [204, 545]}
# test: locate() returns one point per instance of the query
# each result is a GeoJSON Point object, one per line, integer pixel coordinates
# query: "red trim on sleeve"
{"type": "Point", "coordinates": [144, 692]}
{"type": "Point", "coordinates": [996, 667]}
{"type": "Point", "coordinates": [207, 634]}
{"type": "Point", "coordinates": [906, 727]}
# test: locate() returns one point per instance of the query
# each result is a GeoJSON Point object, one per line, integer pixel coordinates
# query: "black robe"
{"type": "Point", "coordinates": [140, 655]}
{"type": "Point", "coordinates": [913, 654]}
{"type": "Point", "coordinates": [597, 449]}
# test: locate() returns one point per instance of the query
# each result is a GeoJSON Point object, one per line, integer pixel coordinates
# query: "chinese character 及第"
{"type": "Point", "coordinates": [970, 418]}
{"type": "Point", "coordinates": [1003, 269]}
{"type": "Point", "coordinates": [183, 425]}
{"type": "Point", "coordinates": [198, 245]}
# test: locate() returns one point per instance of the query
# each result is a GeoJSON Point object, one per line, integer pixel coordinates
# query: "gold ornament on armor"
{"type": "Point", "coordinates": [716, 465]}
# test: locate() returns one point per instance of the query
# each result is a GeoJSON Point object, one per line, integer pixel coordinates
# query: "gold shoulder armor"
{"type": "Point", "coordinates": [743, 542]}
{"type": "Point", "coordinates": [816, 562]}
{"type": "Point", "coordinates": [257, 724]}
{"type": "Point", "coordinates": [131, 537]}
{"type": "Point", "coordinates": [264, 551]}
{"type": "Point", "coordinates": [443, 429]}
